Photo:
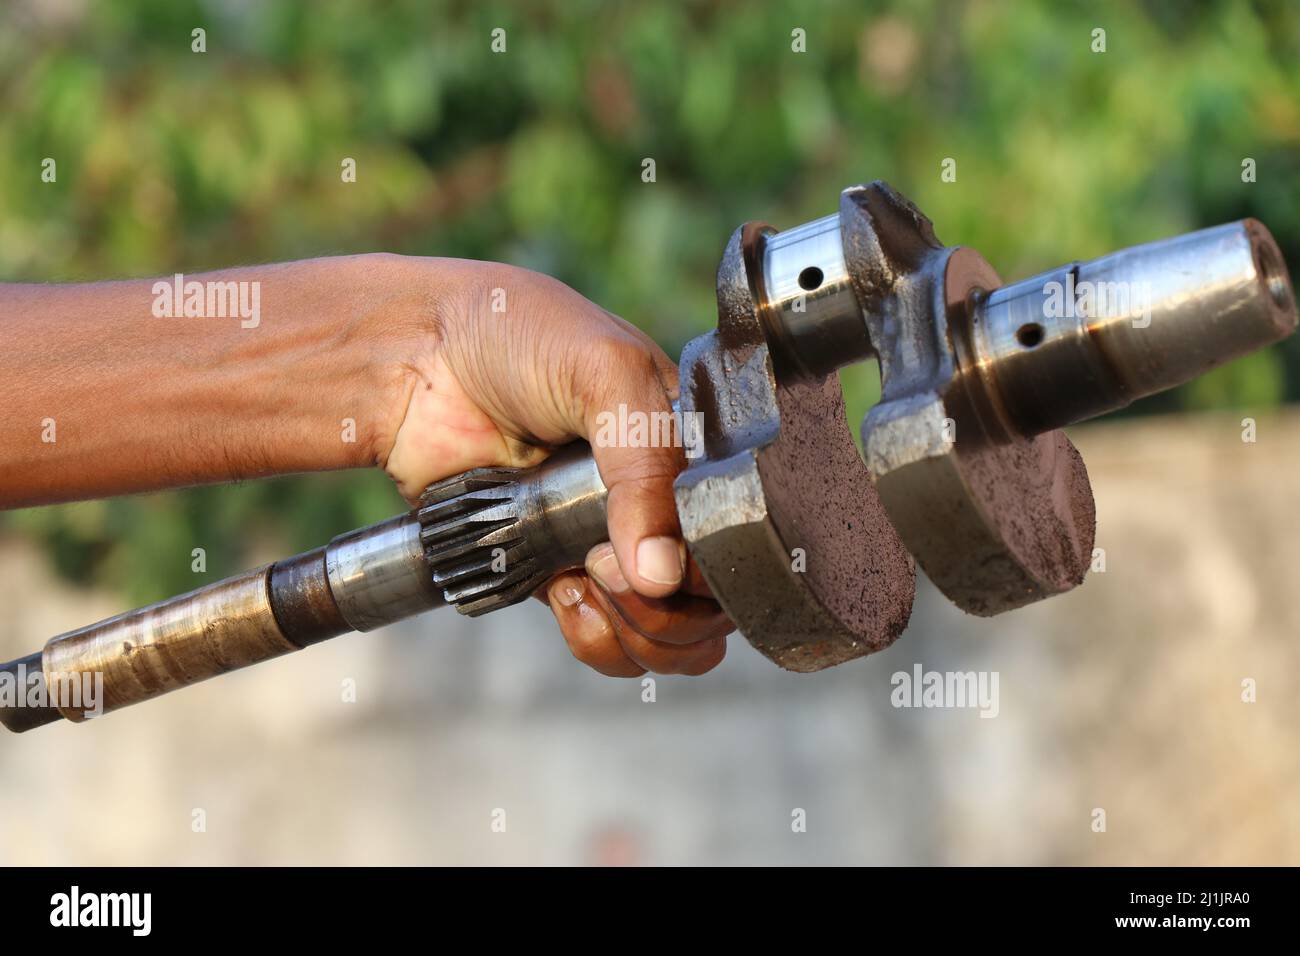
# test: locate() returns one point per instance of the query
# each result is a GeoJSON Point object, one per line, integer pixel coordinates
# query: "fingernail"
{"type": "Point", "coordinates": [567, 591]}
{"type": "Point", "coordinates": [603, 566]}
{"type": "Point", "coordinates": [659, 560]}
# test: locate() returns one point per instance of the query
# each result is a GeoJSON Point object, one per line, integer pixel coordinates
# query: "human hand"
{"type": "Point", "coordinates": [506, 364]}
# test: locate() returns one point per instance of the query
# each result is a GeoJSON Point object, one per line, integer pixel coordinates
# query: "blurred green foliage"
{"type": "Point", "coordinates": [171, 160]}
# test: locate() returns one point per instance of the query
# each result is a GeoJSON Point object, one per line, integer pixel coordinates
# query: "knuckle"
{"type": "Point", "coordinates": [588, 634]}
{"type": "Point", "coordinates": [645, 476]}
{"type": "Point", "coordinates": [627, 354]}
{"type": "Point", "coordinates": [594, 641]}
{"type": "Point", "coordinates": [623, 368]}
{"type": "Point", "coordinates": [709, 654]}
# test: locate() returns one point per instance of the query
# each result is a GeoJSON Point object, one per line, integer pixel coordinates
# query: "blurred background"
{"type": "Point", "coordinates": [1125, 695]}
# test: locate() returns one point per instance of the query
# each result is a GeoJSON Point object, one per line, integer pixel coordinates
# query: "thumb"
{"type": "Point", "coordinates": [637, 443]}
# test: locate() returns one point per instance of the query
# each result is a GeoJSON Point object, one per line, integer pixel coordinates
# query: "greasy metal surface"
{"type": "Point", "coordinates": [467, 521]}
{"type": "Point", "coordinates": [995, 520]}
{"type": "Point", "coordinates": [19, 719]}
{"type": "Point", "coordinates": [378, 575]}
{"type": "Point", "coordinates": [810, 312]}
{"type": "Point", "coordinates": [165, 646]}
{"type": "Point", "coordinates": [779, 513]}
{"type": "Point", "coordinates": [1090, 337]}
{"type": "Point", "coordinates": [492, 536]}
{"type": "Point", "coordinates": [301, 598]}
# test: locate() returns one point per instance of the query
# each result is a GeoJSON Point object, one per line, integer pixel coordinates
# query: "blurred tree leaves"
{"type": "Point", "coordinates": [172, 160]}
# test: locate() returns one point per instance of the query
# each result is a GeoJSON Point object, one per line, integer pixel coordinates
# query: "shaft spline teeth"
{"type": "Point", "coordinates": [477, 479]}
{"type": "Point", "coordinates": [473, 541]}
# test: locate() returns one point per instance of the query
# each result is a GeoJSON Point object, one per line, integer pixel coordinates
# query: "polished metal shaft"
{"type": "Point", "coordinates": [1075, 342]}
{"type": "Point", "coordinates": [1089, 338]}
{"type": "Point", "coordinates": [482, 540]}
{"type": "Point", "coordinates": [810, 311]}
{"type": "Point", "coordinates": [361, 580]}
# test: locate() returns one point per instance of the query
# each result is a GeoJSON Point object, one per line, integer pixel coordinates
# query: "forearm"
{"type": "Point", "coordinates": [107, 394]}
{"type": "Point", "coordinates": [424, 367]}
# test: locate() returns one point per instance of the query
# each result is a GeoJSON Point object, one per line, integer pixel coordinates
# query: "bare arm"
{"type": "Point", "coordinates": [105, 397]}
{"type": "Point", "coordinates": [423, 367]}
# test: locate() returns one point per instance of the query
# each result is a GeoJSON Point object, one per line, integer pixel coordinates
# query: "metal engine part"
{"type": "Point", "coordinates": [993, 502]}
{"type": "Point", "coordinates": [492, 536]}
{"type": "Point", "coordinates": [805, 546]}
{"type": "Point", "coordinates": [995, 524]}
{"type": "Point", "coordinates": [805, 563]}
{"type": "Point", "coordinates": [781, 479]}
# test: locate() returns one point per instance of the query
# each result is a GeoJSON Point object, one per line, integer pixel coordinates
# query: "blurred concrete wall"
{"type": "Point", "coordinates": [1124, 696]}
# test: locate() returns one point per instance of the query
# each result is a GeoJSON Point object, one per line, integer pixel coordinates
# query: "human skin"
{"type": "Point", "coordinates": [433, 381]}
